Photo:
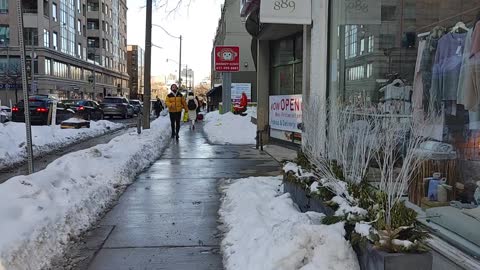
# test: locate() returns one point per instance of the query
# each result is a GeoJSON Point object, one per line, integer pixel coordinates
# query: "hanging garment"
{"type": "Point", "coordinates": [471, 84]}
{"type": "Point", "coordinates": [462, 92]}
{"type": "Point", "coordinates": [426, 64]}
{"type": "Point", "coordinates": [446, 68]}
{"type": "Point", "coordinates": [417, 98]}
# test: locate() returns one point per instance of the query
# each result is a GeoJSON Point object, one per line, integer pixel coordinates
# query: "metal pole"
{"type": "Point", "coordinates": [28, 127]}
{"type": "Point", "coordinates": [147, 68]}
{"type": "Point", "coordinates": [186, 76]}
{"type": "Point", "coordinates": [227, 92]}
{"type": "Point", "coordinates": [32, 69]}
{"type": "Point", "coordinates": [180, 65]}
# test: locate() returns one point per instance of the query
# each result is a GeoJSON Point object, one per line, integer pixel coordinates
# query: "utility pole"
{"type": "Point", "coordinates": [186, 76]}
{"type": "Point", "coordinates": [180, 65]}
{"type": "Point", "coordinates": [148, 63]}
{"type": "Point", "coordinates": [28, 127]}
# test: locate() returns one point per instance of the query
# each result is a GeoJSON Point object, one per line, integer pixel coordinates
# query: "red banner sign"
{"type": "Point", "coordinates": [227, 58]}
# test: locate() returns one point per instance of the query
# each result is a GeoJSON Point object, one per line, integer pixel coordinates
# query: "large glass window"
{"type": "Point", "coordinates": [286, 66]}
{"type": "Point", "coordinates": [3, 6]}
{"type": "Point", "coordinates": [404, 59]}
{"type": "Point", "coordinates": [31, 36]}
{"type": "Point", "coordinates": [4, 35]}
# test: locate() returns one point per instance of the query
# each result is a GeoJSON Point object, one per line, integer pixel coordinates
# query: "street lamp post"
{"type": "Point", "coordinates": [147, 68]}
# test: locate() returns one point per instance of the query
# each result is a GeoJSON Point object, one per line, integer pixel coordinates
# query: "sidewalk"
{"type": "Point", "coordinates": [167, 219]}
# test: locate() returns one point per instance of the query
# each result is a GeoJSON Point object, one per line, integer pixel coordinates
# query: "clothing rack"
{"type": "Point", "coordinates": [423, 34]}
{"type": "Point", "coordinates": [449, 18]}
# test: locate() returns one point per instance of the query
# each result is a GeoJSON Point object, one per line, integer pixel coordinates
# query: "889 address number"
{"type": "Point", "coordinates": [284, 4]}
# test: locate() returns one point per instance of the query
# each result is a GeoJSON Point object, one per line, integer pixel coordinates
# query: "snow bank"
{"type": "Point", "coordinates": [265, 231]}
{"type": "Point", "coordinates": [229, 128]}
{"type": "Point", "coordinates": [45, 139]}
{"type": "Point", "coordinates": [42, 211]}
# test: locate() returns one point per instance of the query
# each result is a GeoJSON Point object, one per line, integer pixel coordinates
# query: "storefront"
{"type": "Point", "coordinates": [408, 59]}
{"type": "Point", "coordinates": [398, 58]}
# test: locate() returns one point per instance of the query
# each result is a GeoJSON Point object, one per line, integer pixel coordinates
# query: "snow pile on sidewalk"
{"type": "Point", "coordinates": [229, 128]}
{"type": "Point", "coordinates": [41, 212]}
{"type": "Point", "coordinates": [265, 231]}
{"type": "Point", "coordinates": [45, 139]}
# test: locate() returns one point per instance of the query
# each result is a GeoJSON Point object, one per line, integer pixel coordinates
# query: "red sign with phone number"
{"type": "Point", "coordinates": [227, 58]}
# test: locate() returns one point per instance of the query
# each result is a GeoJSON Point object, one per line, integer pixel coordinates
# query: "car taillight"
{"type": "Point", "coordinates": [15, 109]}
{"type": "Point", "coordinates": [42, 110]}
{"type": "Point", "coordinates": [81, 108]}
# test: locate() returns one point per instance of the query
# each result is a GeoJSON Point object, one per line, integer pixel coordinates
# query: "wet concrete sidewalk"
{"type": "Point", "coordinates": [168, 218]}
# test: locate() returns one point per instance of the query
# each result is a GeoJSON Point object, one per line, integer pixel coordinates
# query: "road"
{"type": "Point", "coordinates": [42, 162]}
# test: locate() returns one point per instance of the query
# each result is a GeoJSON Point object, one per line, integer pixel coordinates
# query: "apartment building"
{"type": "Point", "coordinates": [136, 71]}
{"type": "Point", "coordinates": [78, 48]}
{"type": "Point", "coordinates": [231, 31]}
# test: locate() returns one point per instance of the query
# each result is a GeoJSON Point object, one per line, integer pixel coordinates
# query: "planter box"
{"type": "Point", "coordinates": [370, 258]}
{"type": "Point", "coordinates": [304, 201]}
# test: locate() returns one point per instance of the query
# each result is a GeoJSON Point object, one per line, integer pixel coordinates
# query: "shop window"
{"type": "Point", "coordinates": [417, 56]}
{"type": "Point", "coordinates": [286, 66]}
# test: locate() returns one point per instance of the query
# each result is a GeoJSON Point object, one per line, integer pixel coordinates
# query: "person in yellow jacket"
{"type": "Point", "coordinates": [175, 103]}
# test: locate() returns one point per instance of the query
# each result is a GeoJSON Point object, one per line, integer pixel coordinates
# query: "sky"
{"type": "Point", "coordinates": [196, 22]}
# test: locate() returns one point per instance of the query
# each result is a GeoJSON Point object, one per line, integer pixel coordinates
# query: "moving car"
{"type": "Point", "coordinates": [117, 106]}
{"type": "Point", "coordinates": [5, 114]}
{"type": "Point", "coordinates": [86, 109]}
{"type": "Point", "coordinates": [137, 105]}
{"type": "Point", "coordinates": [40, 110]}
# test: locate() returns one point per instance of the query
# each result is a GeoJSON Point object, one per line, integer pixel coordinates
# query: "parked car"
{"type": "Point", "coordinates": [86, 109]}
{"type": "Point", "coordinates": [39, 110]}
{"type": "Point", "coordinates": [137, 105]}
{"type": "Point", "coordinates": [5, 114]}
{"type": "Point", "coordinates": [117, 106]}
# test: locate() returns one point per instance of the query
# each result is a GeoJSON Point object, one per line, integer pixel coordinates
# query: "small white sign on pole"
{"type": "Point", "coordinates": [286, 113]}
{"type": "Point", "coordinates": [286, 11]}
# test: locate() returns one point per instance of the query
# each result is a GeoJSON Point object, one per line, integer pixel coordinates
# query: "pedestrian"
{"type": "Point", "coordinates": [158, 107]}
{"type": "Point", "coordinates": [199, 104]}
{"type": "Point", "coordinates": [175, 103]}
{"type": "Point", "coordinates": [193, 106]}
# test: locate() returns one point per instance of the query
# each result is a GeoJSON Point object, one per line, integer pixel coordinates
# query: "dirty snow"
{"type": "Point", "coordinates": [266, 231]}
{"type": "Point", "coordinates": [42, 211]}
{"type": "Point", "coordinates": [229, 128]}
{"type": "Point", "coordinates": [45, 139]}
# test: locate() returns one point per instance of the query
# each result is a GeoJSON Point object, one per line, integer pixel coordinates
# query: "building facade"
{"type": "Point", "coordinates": [136, 71]}
{"type": "Point", "coordinates": [399, 58]}
{"type": "Point", "coordinates": [231, 31]}
{"type": "Point", "coordinates": [78, 48]}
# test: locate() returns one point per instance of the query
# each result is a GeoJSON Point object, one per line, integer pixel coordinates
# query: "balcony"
{"type": "Point", "coordinates": [30, 7]}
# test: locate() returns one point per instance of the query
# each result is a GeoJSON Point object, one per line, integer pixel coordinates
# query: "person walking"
{"type": "Point", "coordinates": [175, 103]}
{"type": "Point", "coordinates": [192, 104]}
{"type": "Point", "coordinates": [158, 107]}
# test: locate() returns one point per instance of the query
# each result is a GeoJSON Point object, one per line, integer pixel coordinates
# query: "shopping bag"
{"type": "Point", "coordinates": [185, 117]}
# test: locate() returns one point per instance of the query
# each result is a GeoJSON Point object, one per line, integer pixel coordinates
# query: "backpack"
{"type": "Point", "coordinates": [191, 105]}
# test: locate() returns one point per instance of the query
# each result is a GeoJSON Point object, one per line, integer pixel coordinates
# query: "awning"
{"type": "Point", "coordinates": [214, 90]}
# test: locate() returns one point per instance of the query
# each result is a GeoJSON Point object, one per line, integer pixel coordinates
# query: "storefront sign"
{"type": "Point", "coordinates": [227, 58]}
{"type": "Point", "coordinates": [239, 88]}
{"type": "Point", "coordinates": [286, 113]}
{"type": "Point", "coordinates": [286, 11]}
{"type": "Point", "coordinates": [361, 11]}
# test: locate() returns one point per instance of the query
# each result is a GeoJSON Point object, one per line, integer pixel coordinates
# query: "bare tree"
{"type": "Point", "coordinates": [12, 76]}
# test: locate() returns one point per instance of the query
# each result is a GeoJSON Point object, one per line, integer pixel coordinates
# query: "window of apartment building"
{"type": "Point", "coordinates": [93, 42]}
{"type": "Point", "coordinates": [103, 8]}
{"type": "Point", "coordinates": [46, 8]}
{"type": "Point", "coordinates": [79, 6]}
{"type": "Point", "coordinates": [79, 50]}
{"type": "Point", "coordinates": [79, 27]}
{"type": "Point", "coordinates": [55, 40]}
{"type": "Point", "coordinates": [54, 12]}
{"type": "Point", "coordinates": [48, 66]}
{"type": "Point", "coordinates": [415, 61]}
{"type": "Point", "coordinates": [46, 38]}
{"type": "Point", "coordinates": [4, 35]}
{"type": "Point", "coordinates": [92, 24]}
{"type": "Point", "coordinates": [4, 6]}
{"type": "Point", "coordinates": [30, 36]}
{"type": "Point", "coordinates": [286, 66]}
